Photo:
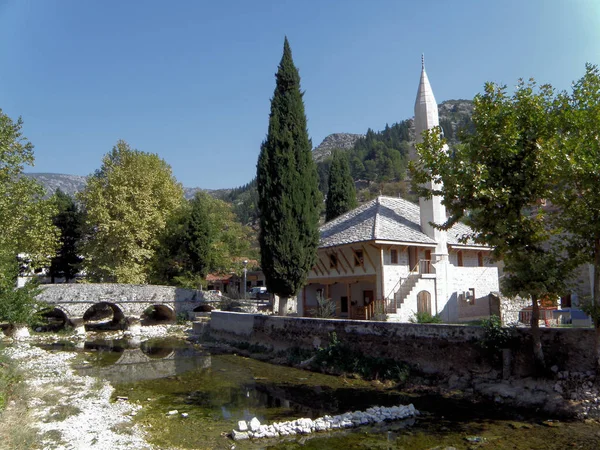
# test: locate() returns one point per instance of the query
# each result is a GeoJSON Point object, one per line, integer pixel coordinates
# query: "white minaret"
{"type": "Point", "coordinates": [432, 210]}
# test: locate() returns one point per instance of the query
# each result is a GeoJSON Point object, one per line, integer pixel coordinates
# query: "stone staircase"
{"type": "Point", "coordinates": [405, 289]}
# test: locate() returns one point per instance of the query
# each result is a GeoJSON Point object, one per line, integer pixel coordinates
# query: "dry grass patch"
{"type": "Point", "coordinates": [61, 412]}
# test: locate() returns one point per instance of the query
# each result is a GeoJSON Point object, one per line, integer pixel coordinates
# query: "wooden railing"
{"type": "Point", "coordinates": [369, 311]}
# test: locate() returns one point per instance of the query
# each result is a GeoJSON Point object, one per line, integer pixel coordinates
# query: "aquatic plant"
{"type": "Point", "coordinates": [340, 357]}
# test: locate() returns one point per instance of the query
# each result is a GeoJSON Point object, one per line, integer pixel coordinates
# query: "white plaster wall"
{"type": "Point", "coordinates": [353, 270]}
{"type": "Point", "coordinates": [470, 258]}
{"type": "Point", "coordinates": [392, 273]}
{"type": "Point", "coordinates": [310, 292]}
{"type": "Point", "coordinates": [357, 291]}
{"type": "Point", "coordinates": [483, 279]}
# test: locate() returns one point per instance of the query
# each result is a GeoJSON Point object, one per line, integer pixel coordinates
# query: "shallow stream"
{"type": "Point", "coordinates": [212, 391]}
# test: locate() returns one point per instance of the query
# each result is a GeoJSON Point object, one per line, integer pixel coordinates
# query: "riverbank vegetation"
{"type": "Point", "coordinates": [15, 429]}
{"type": "Point", "coordinates": [335, 358]}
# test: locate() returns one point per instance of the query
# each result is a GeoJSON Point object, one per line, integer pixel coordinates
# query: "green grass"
{"type": "Point", "coordinates": [9, 380]}
{"type": "Point", "coordinates": [15, 428]}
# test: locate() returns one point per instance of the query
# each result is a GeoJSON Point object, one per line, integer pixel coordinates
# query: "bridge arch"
{"type": "Point", "coordinates": [158, 314]}
{"type": "Point", "coordinates": [54, 319]}
{"type": "Point", "coordinates": [156, 352]}
{"type": "Point", "coordinates": [104, 316]}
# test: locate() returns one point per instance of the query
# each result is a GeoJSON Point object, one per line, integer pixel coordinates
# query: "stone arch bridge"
{"type": "Point", "coordinates": [127, 301]}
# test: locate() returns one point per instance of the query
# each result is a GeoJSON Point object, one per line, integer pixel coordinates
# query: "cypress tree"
{"type": "Point", "coordinates": [69, 220]}
{"type": "Point", "coordinates": [341, 195]}
{"type": "Point", "coordinates": [198, 236]}
{"type": "Point", "coordinates": [288, 196]}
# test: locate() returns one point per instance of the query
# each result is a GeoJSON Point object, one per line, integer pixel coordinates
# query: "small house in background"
{"type": "Point", "coordinates": [232, 284]}
{"type": "Point", "coordinates": [386, 257]}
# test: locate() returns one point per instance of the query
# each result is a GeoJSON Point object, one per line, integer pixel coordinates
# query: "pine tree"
{"type": "Point", "coordinates": [69, 221]}
{"type": "Point", "coordinates": [289, 200]}
{"type": "Point", "coordinates": [341, 195]}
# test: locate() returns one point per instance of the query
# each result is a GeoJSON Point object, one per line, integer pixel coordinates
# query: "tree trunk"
{"type": "Point", "coordinates": [595, 303]}
{"type": "Point", "coordinates": [283, 306]}
{"type": "Point", "coordinates": [538, 352]}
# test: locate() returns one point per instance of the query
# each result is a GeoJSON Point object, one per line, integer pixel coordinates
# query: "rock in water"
{"type": "Point", "coordinates": [254, 424]}
{"type": "Point", "coordinates": [239, 435]}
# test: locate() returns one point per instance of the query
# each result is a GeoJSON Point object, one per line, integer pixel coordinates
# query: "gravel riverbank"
{"type": "Point", "coordinates": [71, 411]}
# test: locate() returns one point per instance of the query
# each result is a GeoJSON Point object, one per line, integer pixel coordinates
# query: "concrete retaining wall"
{"type": "Point", "coordinates": [444, 349]}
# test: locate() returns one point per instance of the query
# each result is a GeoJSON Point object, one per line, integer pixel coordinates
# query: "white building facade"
{"type": "Point", "coordinates": [385, 257]}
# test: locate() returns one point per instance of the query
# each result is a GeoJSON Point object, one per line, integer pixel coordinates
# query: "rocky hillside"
{"type": "Point", "coordinates": [378, 160]}
{"type": "Point", "coordinates": [71, 184]}
{"type": "Point", "coordinates": [333, 141]}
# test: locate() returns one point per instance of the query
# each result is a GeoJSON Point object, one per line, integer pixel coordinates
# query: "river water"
{"type": "Point", "coordinates": [212, 391]}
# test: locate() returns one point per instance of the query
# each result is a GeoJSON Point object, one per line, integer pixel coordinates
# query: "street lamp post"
{"type": "Point", "coordinates": [245, 272]}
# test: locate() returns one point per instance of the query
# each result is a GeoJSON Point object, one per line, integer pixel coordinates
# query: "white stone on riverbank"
{"type": "Point", "coordinates": [376, 414]}
{"type": "Point", "coordinates": [76, 408]}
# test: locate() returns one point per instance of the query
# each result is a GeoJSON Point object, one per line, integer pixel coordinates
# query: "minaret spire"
{"type": "Point", "coordinates": [432, 209]}
{"type": "Point", "coordinates": [426, 109]}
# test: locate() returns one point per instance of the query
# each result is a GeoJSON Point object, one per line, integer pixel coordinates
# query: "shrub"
{"type": "Point", "coordinates": [325, 308]}
{"type": "Point", "coordinates": [341, 357]}
{"type": "Point", "coordinates": [496, 336]}
{"type": "Point", "coordinates": [425, 317]}
{"type": "Point", "coordinates": [296, 355]}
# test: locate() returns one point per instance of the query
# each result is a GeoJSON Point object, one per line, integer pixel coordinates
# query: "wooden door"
{"type": "Point", "coordinates": [367, 297]}
{"type": "Point", "coordinates": [412, 257]}
{"type": "Point", "coordinates": [424, 302]}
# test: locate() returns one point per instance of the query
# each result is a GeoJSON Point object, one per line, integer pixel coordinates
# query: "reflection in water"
{"type": "Point", "coordinates": [215, 391]}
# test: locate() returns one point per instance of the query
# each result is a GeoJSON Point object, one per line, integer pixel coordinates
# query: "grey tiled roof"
{"type": "Point", "coordinates": [458, 233]}
{"type": "Point", "coordinates": [384, 218]}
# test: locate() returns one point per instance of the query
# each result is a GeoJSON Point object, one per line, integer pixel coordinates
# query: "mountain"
{"type": "Point", "coordinates": [71, 184]}
{"type": "Point", "coordinates": [378, 161]}
{"type": "Point", "coordinates": [336, 140]}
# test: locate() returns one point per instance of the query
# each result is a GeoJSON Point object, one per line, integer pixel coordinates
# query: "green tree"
{"type": "Point", "coordinates": [289, 199]}
{"type": "Point", "coordinates": [127, 203]}
{"type": "Point", "coordinates": [199, 235]}
{"type": "Point", "coordinates": [25, 217]}
{"type": "Point", "coordinates": [341, 194]}
{"type": "Point", "coordinates": [18, 306]}
{"type": "Point", "coordinates": [496, 180]}
{"type": "Point", "coordinates": [203, 237]}
{"type": "Point", "coordinates": [68, 220]}
{"type": "Point", "coordinates": [576, 200]}
{"type": "Point", "coordinates": [25, 223]}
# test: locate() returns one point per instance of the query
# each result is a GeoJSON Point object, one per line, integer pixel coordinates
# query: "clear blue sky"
{"type": "Point", "coordinates": [192, 80]}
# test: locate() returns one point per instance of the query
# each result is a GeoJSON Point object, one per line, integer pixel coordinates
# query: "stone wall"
{"type": "Point", "coordinates": [510, 307]}
{"type": "Point", "coordinates": [444, 349]}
